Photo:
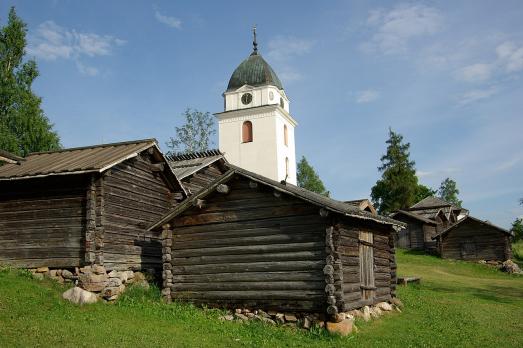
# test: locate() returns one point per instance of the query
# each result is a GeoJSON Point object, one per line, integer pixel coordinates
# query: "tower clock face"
{"type": "Point", "coordinates": [246, 98]}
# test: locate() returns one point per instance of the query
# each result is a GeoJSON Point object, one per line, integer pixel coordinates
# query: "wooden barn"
{"type": "Point", "coordinates": [249, 241]}
{"type": "Point", "coordinates": [81, 206]}
{"type": "Point", "coordinates": [425, 220]}
{"type": "Point", "coordinates": [474, 239]}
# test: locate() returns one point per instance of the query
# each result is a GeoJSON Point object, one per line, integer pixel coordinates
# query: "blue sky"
{"type": "Point", "coordinates": [446, 75]}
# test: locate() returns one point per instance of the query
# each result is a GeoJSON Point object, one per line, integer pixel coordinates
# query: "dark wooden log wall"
{"type": "Point", "coordinates": [472, 240]}
{"type": "Point", "coordinates": [250, 247]}
{"type": "Point", "coordinates": [203, 178]}
{"type": "Point", "coordinates": [354, 291]}
{"type": "Point", "coordinates": [134, 196]}
{"type": "Point", "coordinates": [42, 221]}
{"type": "Point", "coordinates": [411, 237]}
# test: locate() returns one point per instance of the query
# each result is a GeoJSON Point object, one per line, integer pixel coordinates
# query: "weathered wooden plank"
{"type": "Point", "coordinates": [251, 286]}
{"type": "Point", "coordinates": [283, 256]}
{"type": "Point", "coordinates": [265, 276]}
{"type": "Point", "coordinates": [272, 266]}
{"type": "Point", "coordinates": [239, 250]}
{"type": "Point", "coordinates": [246, 295]}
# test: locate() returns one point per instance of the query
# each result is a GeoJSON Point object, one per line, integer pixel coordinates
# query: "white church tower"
{"type": "Point", "coordinates": [256, 130]}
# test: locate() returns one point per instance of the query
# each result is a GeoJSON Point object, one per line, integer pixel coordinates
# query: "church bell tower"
{"type": "Point", "coordinates": [256, 130]}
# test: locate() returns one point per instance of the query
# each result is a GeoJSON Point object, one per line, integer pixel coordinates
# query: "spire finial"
{"type": "Point", "coordinates": [254, 43]}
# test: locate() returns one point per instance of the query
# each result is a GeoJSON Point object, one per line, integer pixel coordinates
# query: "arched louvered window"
{"type": "Point", "coordinates": [285, 135]}
{"type": "Point", "coordinates": [247, 132]}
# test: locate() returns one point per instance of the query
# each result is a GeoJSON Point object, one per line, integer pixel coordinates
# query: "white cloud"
{"type": "Point", "coordinates": [475, 72]}
{"type": "Point", "coordinates": [476, 95]}
{"type": "Point", "coordinates": [52, 42]}
{"type": "Point", "coordinates": [511, 56]}
{"type": "Point", "coordinates": [167, 20]}
{"type": "Point", "coordinates": [283, 48]}
{"type": "Point", "coordinates": [367, 96]}
{"type": "Point", "coordinates": [86, 70]}
{"type": "Point", "coordinates": [397, 27]}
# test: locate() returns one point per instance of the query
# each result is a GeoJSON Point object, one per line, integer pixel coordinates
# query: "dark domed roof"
{"type": "Point", "coordinates": [253, 71]}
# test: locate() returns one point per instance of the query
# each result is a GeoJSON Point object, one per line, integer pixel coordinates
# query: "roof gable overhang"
{"type": "Point", "coordinates": [305, 195]}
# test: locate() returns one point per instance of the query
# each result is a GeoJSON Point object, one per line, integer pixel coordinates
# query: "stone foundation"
{"type": "Point", "coordinates": [342, 323]}
{"type": "Point", "coordinates": [95, 279]}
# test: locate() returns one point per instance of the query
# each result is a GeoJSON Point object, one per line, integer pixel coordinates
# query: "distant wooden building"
{"type": "Point", "coordinates": [197, 170]}
{"type": "Point", "coordinates": [425, 220]}
{"type": "Point", "coordinates": [86, 205]}
{"type": "Point", "coordinates": [249, 241]}
{"type": "Point", "coordinates": [473, 239]}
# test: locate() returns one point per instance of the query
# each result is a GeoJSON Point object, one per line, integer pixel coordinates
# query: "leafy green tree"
{"type": "Point", "coordinates": [398, 186]}
{"type": "Point", "coordinates": [195, 135]}
{"type": "Point", "coordinates": [309, 179]}
{"type": "Point", "coordinates": [424, 192]}
{"type": "Point", "coordinates": [24, 128]}
{"type": "Point", "coordinates": [517, 229]}
{"type": "Point", "coordinates": [448, 191]}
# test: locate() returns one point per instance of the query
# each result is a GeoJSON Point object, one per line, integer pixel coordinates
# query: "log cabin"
{"type": "Point", "coordinates": [473, 239]}
{"type": "Point", "coordinates": [425, 220]}
{"type": "Point", "coordinates": [249, 241]}
{"type": "Point", "coordinates": [81, 206]}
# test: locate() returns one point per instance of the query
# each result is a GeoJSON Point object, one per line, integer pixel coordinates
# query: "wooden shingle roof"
{"type": "Point", "coordinates": [298, 192]}
{"type": "Point", "coordinates": [187, 164]}
{"type": "Point", "coordinates": [469, 219]}
{"type": "Point", "coordinates": [97, 158]}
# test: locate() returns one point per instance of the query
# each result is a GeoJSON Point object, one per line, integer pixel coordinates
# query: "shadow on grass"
{"type": "Point", "coordinates": [492, 293]}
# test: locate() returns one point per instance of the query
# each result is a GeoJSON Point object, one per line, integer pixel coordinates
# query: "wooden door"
{"type": "Point", "coordinates": [367, 266]}
{"type": "Point", "coordinates": [468, 250]}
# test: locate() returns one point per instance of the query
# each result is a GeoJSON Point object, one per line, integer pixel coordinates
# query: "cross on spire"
{"type": "Point", "coordinates": [254, 43]}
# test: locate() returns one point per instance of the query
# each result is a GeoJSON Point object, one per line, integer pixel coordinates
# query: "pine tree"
{"type": "Point", "coordinates": [195, 135]}
{"type": "Point", "coordinates": [309, 179]}
{"type": "Point", "coordinates": [398, 186]}
{"type": "Point", "coordinates": [448, 191]}
{"type": "Point", "coordinates": [24, 128]}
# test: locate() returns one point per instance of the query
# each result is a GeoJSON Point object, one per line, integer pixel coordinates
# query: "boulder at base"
{"type": "Point", "coordinates": [342, 328]}
{"type": "Point", "coordinates": [79, 296]}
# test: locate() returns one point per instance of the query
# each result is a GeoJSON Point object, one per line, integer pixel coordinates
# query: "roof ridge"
{"type": "Point", "coordinates": [96, 146]}
{"type": "Point", "coordinates": [194, 155]}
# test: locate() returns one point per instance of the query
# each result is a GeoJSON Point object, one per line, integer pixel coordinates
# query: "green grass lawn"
{"type": "Point", "coordinates": [457, 304]}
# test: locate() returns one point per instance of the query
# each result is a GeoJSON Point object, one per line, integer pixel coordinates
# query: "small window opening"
{"type": "Point", "coordinates": [247, 132]}
{"type": "Point", "coordinates": [285, 135]}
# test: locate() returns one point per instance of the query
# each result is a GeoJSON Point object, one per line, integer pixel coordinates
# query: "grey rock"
{"type": "Point", "coordinates": [67, 274]}
{"type": "Point", "coordinates": [241, 317]}
{"type": "Point", "coordinates": [93, 282]}
{"type": "Point", "coordinates": [114, 282]}
{"type": "Point", "coordinates": [290, 317]}
{"type": "Point", "coordinates": [79, 296]}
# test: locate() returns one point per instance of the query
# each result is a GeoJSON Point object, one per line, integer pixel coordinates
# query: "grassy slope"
{"type": "Point", "coordinates": [457, 304]}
